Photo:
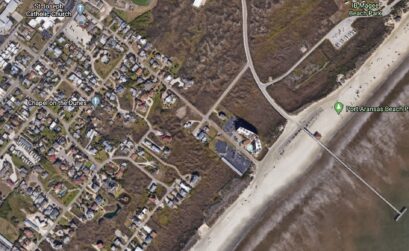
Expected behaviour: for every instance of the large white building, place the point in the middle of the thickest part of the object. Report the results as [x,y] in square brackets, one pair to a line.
[44,23]
[5,22]
[253,144]
[198,3]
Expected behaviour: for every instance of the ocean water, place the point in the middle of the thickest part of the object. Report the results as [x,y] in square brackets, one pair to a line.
[327,208]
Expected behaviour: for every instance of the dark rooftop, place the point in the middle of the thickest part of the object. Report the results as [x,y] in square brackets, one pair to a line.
[237,162]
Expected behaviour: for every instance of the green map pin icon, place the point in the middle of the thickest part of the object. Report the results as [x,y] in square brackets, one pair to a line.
[339,107]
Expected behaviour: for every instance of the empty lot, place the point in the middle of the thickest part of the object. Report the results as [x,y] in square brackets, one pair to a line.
[206,44]
[279,31]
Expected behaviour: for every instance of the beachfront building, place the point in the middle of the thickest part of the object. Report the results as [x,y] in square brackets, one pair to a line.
[232,158]
[250,140]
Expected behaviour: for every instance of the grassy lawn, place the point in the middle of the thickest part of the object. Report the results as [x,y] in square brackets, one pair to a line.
[37,41]
[163,216]
[143,200]
[293,15]
[101,156]
[92,10]
[2,78]
[17,161]
[88,164]
[5,189]
[124,15]
[76,210]
[66,88]
[63,221]
[141,23]
[54,177]
[174,69]
[52,172]
[103,70]
[50,134]
[114,27]
[160,191]
[141,2]
[157,102]
[49,167]
[13,207]
[8,230]
[139,128]
[24,53]
[25,6]
[69,197]
[126,100]
[54,108]
[68,115]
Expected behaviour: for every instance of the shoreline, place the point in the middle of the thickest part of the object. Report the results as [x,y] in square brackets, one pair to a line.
[339,143]
[277,171]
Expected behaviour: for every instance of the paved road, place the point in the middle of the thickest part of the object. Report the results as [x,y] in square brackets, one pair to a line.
[163,162]
[220,99]
[39,54]
[140,168]
[213,124]
[260,84]
[66,126]
[22,128]
[7,40]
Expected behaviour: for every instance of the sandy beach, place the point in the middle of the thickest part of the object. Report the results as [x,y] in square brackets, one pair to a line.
[287,161]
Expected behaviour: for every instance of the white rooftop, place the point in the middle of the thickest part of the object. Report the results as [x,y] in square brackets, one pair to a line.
[198,3]
[45,22]
[5,22]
